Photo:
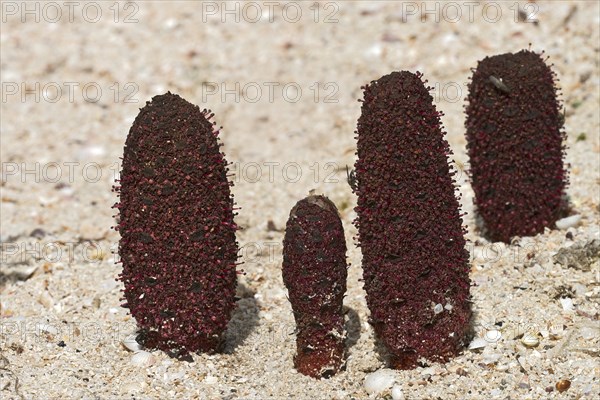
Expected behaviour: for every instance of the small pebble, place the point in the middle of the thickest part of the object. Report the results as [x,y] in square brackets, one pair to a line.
[38,233]
[524,385]
[502,367]
[96,302]
[568,222]
[271,226]
[438,309]
[379,381]
[563,385]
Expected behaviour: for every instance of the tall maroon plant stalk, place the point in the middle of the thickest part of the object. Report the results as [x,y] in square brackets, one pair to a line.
[415,266]
[178,244]
[515,142]
[314,272]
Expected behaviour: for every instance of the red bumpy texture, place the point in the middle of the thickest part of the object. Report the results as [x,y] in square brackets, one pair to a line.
[415,265]
[178,244]
[515,144]
[314,272]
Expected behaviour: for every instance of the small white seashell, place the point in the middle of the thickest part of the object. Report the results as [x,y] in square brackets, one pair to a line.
[478,343]
[131,344]
[589,332]
[397,393]
[568,222]
[438,308]
[567,303]
[530,340]
[493,335]
[448,307]
[143,359]
[379,381]
[211,380]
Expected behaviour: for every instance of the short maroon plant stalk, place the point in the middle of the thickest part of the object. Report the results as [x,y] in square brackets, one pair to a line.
[314,272]
[178,244]
[515,144]
[415,265]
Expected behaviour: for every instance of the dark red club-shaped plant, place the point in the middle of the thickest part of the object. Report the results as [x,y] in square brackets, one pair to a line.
[415,266]
[314,272]
[515,144]
[178,244]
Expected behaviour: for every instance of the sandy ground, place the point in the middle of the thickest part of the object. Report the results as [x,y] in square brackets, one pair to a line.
[284,86]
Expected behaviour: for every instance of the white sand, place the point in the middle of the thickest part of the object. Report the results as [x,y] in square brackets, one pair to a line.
[73,297]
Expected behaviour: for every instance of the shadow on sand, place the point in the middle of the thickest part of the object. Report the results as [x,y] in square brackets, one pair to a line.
[243,320]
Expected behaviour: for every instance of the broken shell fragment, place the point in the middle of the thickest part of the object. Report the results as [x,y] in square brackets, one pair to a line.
[131,344]
[530,340]
[478,343]
[568,222]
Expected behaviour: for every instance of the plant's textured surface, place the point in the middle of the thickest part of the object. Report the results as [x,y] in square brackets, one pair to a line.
[415,265]
[515,143]
[178,245]
[314,272]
